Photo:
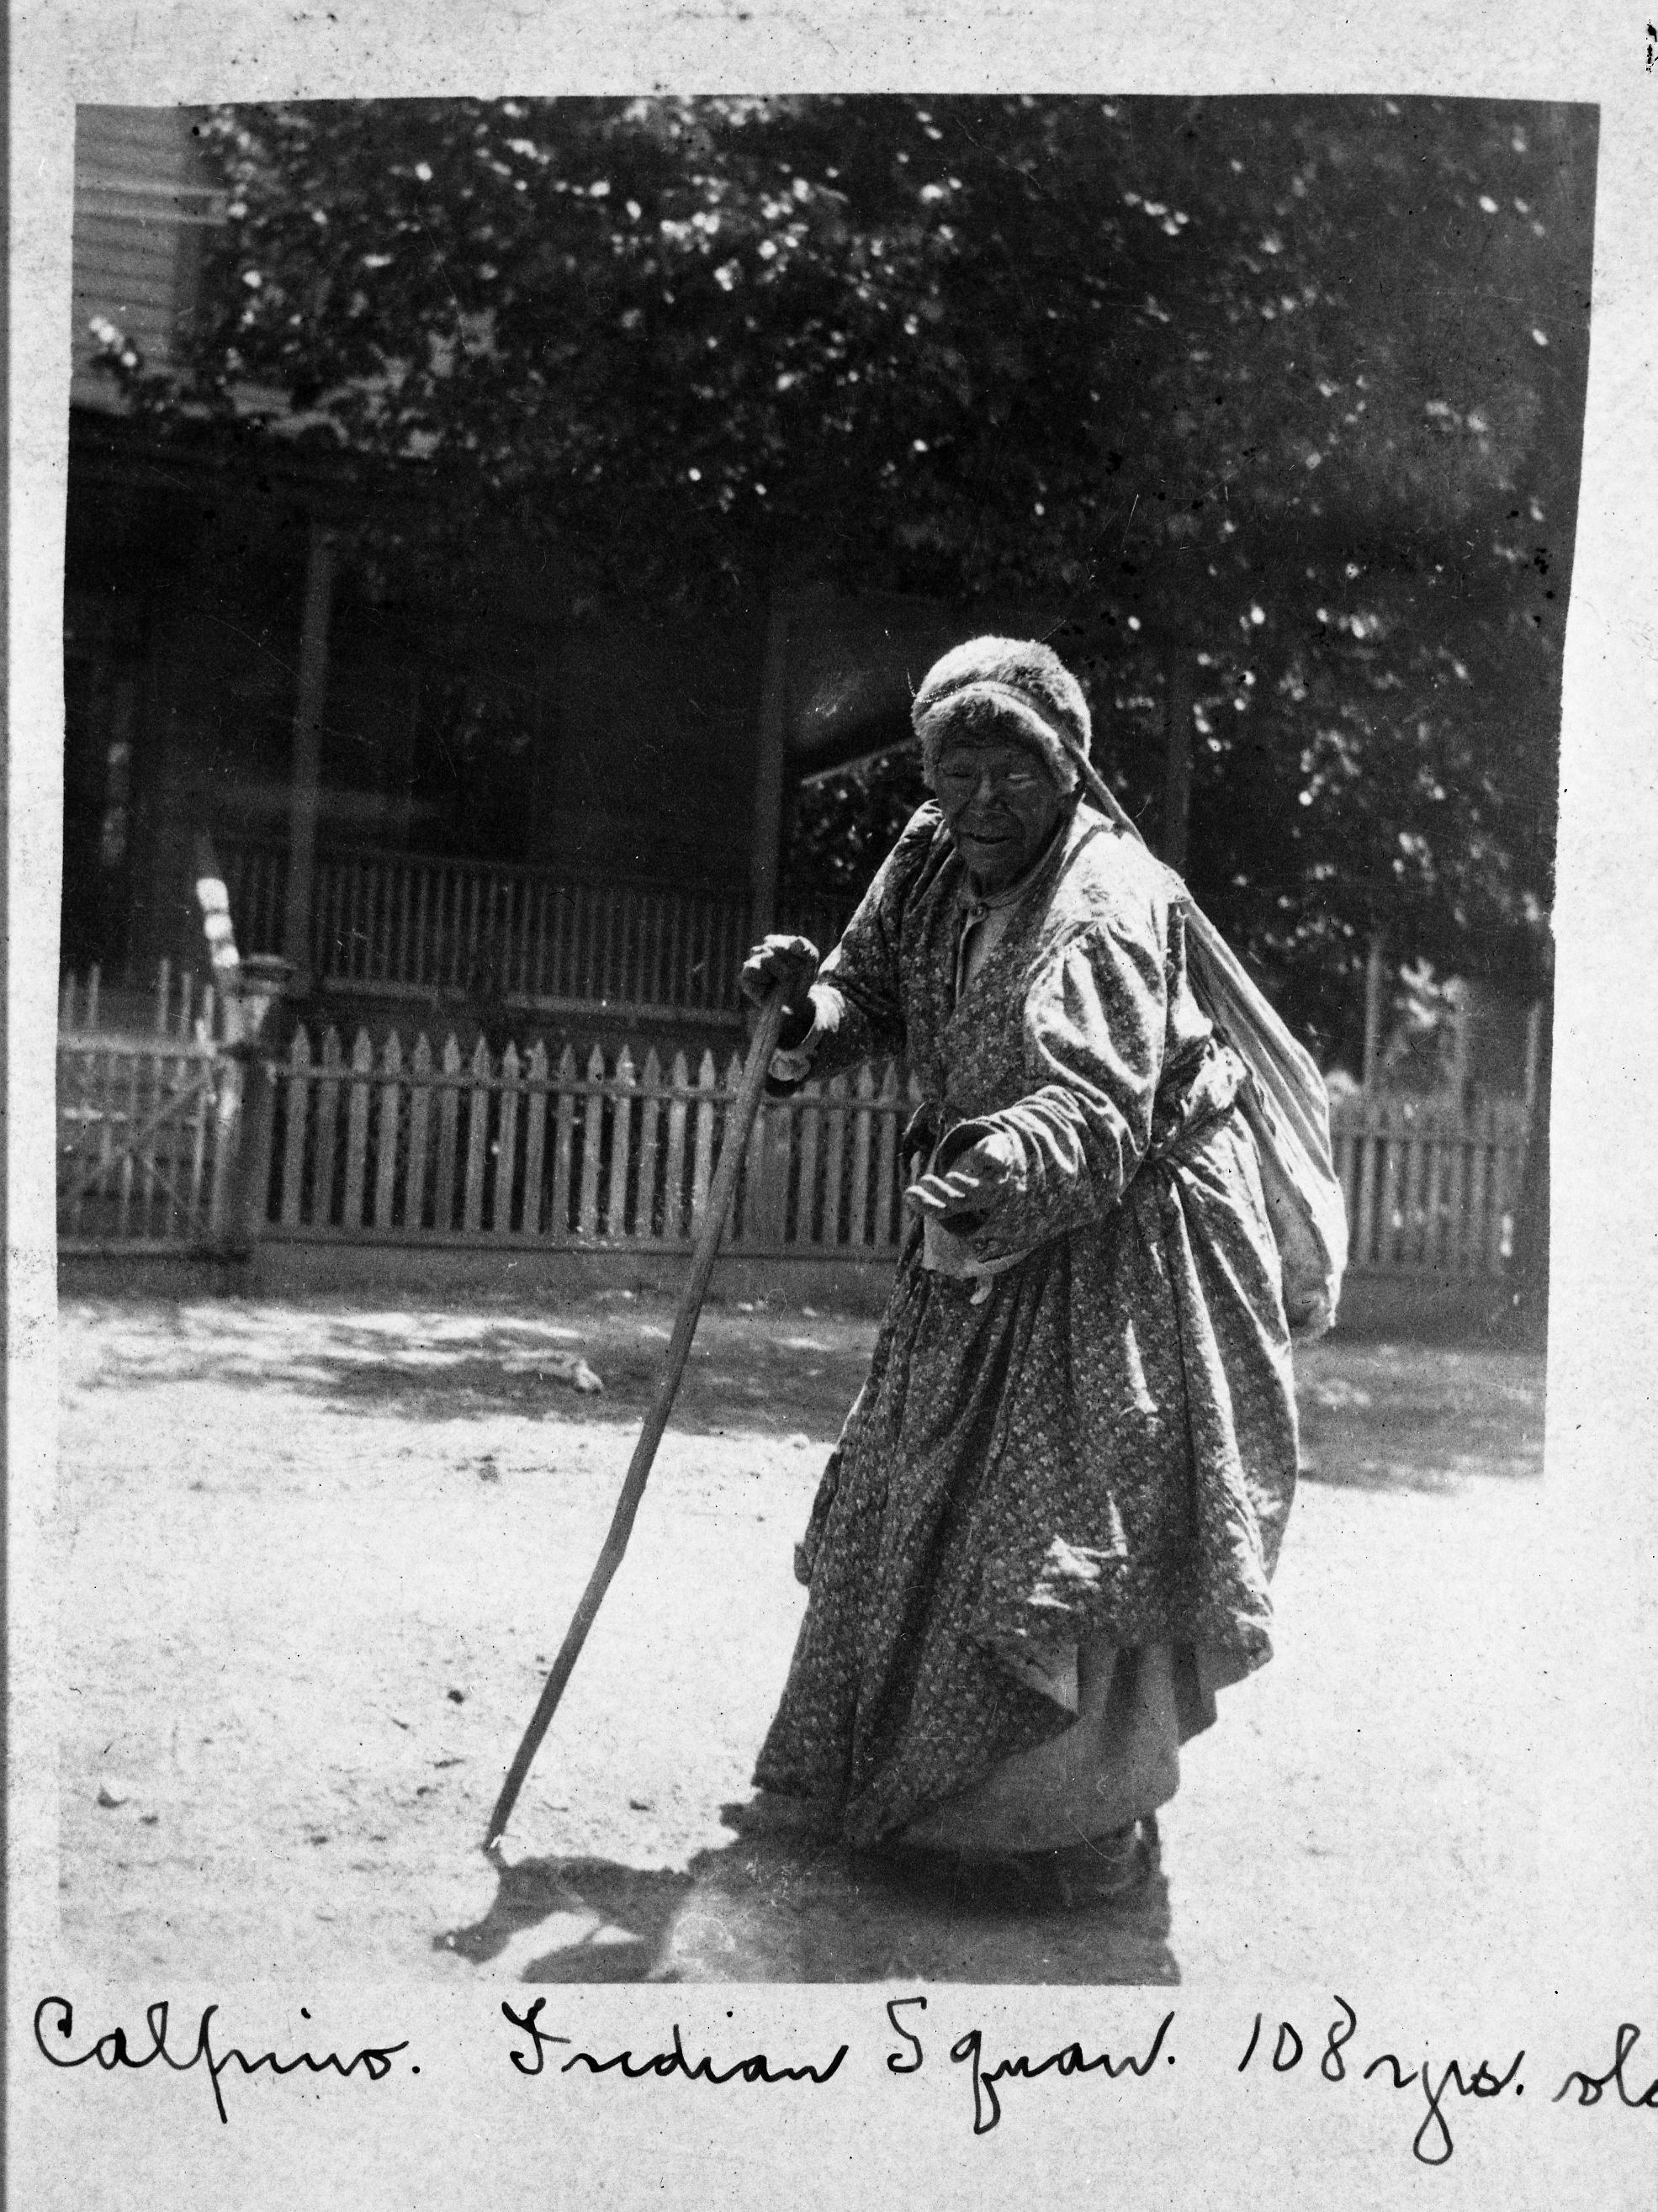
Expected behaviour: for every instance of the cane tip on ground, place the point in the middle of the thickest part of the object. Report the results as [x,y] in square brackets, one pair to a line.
[462,1895]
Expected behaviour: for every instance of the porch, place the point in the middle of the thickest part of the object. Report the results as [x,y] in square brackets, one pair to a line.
[426,781]
[406,929]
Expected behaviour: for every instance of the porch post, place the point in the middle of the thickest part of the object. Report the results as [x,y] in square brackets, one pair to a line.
[308,728]
[766,836]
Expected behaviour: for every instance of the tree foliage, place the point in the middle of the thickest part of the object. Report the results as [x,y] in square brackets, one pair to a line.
[1289,388]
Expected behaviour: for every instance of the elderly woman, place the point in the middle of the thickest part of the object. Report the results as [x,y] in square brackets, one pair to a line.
[1045,1538]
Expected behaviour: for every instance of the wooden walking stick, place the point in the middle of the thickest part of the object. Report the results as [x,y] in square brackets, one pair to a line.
[739,1122]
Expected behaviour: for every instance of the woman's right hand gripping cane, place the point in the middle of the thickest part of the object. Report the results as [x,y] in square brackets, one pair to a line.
[790,961]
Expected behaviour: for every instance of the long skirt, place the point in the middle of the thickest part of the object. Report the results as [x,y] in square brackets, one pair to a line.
[1046,1537]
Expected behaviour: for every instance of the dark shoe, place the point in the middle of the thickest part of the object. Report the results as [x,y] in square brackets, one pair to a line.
[1104,1869]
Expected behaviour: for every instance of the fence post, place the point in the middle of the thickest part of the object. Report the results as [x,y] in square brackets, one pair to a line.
[247,1108]
[766,1191]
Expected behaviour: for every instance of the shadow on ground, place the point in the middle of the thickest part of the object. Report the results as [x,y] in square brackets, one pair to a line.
[764,1370]
[782,1908]
[1418,1418]
[1374,1416]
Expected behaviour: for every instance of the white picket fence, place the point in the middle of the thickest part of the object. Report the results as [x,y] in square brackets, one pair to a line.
[602,1153]
[140,1158]
[607,1150]
[614,1150]
[1429,1184]
[144,1151]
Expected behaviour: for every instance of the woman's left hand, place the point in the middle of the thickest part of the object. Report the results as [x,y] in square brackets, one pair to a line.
[971,1187]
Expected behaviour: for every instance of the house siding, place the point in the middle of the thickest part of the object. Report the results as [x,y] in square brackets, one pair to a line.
[143,200]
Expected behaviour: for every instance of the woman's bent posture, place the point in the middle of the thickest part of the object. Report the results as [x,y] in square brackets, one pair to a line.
[1045,1538]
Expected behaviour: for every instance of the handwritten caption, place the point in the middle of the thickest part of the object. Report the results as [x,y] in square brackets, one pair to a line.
[1268,2049]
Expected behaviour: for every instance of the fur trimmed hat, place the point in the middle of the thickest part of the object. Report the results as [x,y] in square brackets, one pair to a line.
[1006,687]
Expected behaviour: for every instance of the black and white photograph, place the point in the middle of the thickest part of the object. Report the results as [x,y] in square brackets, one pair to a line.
[807,1059]
[1046,559]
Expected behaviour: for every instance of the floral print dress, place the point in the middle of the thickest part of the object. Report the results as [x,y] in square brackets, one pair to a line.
[1078,1434]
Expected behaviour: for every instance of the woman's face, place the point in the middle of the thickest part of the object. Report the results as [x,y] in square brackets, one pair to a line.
[999,803]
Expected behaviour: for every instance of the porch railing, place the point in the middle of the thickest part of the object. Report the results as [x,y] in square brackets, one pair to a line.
[407,926]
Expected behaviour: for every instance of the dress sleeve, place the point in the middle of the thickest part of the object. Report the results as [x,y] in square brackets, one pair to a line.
[1095,1021]
[858,997]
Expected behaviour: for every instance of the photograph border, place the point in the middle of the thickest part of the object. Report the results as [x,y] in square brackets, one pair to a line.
[472,2128]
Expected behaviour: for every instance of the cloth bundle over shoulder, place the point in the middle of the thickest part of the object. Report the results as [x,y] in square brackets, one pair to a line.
[1284,1103]
[1288,1110]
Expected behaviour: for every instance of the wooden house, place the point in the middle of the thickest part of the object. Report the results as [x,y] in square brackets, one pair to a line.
[436,781]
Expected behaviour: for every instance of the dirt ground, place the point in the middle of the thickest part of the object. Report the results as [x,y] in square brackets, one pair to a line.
[317,1557]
